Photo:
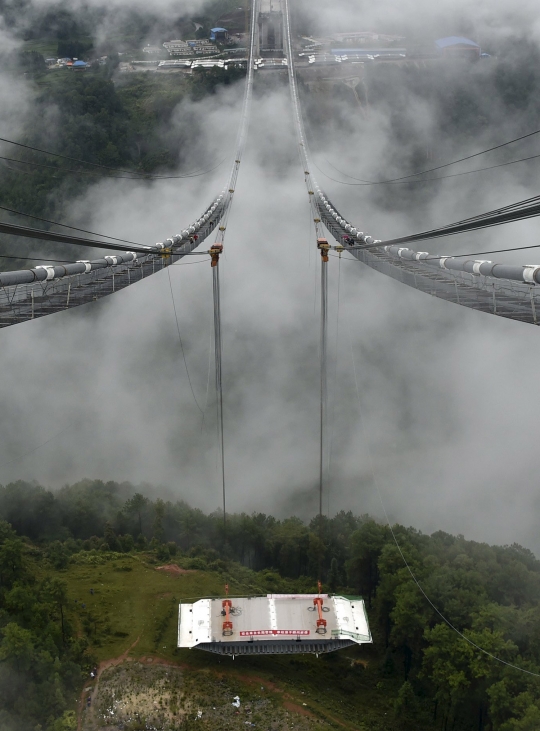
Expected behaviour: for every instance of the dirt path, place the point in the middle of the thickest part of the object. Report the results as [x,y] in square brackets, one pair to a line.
[101,667]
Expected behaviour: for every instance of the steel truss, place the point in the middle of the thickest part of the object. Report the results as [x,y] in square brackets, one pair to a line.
[30,293]
[467,285]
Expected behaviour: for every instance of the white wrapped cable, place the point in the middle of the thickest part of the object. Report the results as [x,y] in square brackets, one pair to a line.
[477,264]
[48,268]
[87,265]
[529,273]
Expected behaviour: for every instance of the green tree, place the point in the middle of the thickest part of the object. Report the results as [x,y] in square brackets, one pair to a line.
[110,537]
[17,646]
[68,722]
[12,564]
[157,527]
[406,708]
[333,575]
[366,545]
[55,591]
[58,555]
[136,507]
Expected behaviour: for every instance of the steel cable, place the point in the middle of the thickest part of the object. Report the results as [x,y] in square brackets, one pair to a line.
[416,182]
[324,382]
[142,176]
[65,225]
[181,343]
[219,381]
[36,233]
[375,480]
[333,420]
[446,165]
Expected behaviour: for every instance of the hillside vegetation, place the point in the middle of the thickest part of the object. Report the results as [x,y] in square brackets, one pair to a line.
[122,122]
[80,585]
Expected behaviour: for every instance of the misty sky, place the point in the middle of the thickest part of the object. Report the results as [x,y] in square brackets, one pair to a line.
[448,395]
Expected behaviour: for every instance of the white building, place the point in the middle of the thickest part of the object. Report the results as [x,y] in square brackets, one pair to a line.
[190,48]
[178,48]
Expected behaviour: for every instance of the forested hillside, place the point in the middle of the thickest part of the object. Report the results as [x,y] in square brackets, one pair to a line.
[437,680]
[124,122]
[89,117]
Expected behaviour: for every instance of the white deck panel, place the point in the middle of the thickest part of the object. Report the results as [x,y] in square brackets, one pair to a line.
[272,618]
[185,625]
[195,623]
[247,616]
[351,619]
[299,613]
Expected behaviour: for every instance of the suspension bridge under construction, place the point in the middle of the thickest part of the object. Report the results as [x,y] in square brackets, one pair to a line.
[296,623]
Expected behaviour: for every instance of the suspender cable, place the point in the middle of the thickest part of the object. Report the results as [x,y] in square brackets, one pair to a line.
[244,123]
[322,245]
[217,249]
[219,383]
[324,382]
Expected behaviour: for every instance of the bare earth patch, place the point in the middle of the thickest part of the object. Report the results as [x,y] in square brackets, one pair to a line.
[136,695]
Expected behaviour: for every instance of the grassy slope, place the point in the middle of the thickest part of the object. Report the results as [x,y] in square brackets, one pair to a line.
[140,606]
[47,47]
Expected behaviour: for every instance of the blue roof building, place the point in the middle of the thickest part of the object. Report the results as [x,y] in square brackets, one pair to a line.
[458,47]
[219,34]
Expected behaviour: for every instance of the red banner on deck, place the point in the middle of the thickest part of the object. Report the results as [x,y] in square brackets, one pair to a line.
[259,632]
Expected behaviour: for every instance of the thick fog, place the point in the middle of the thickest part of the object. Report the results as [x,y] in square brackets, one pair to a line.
[446,422]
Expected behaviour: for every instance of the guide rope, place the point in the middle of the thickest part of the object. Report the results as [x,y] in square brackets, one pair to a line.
[182,344]
[421,181]
[375,480]
[131,173]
